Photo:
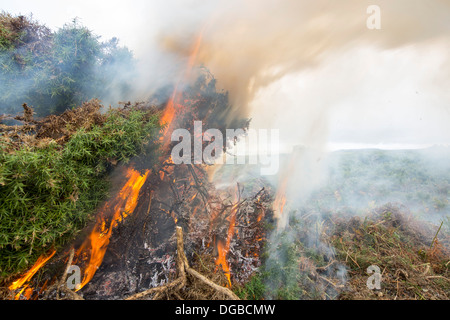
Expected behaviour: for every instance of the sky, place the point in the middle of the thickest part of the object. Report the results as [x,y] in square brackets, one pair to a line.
[310,69]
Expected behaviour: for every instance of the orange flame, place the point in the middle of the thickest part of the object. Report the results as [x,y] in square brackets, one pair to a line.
[28,293]
[223,249]
[279,203]
[280,197]
[174,101]
[41,261]
[222,260]
[98,240]
[122,205]
[262,213]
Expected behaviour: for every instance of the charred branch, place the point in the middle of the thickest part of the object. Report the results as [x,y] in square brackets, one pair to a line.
[180,281]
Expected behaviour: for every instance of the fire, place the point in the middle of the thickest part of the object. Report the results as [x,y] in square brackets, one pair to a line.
[280,197]
[97,242]
[126,202]
[41,261]
[262,212]
[223,249]
[279,203]
[94,247]
[222,260]
[260,216]
[174,101]
[169,111]
[122,206]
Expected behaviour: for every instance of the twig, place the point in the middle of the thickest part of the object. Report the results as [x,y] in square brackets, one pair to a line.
[323,278]
[63,278]
[73,295]
[177,296]
[149,202]
[180,282]
[327,266]
[60,286]
[205,280]
[438,277]
[199,185]
[434,239]
[153,290]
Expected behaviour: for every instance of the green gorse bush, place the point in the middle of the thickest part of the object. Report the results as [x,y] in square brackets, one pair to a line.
[47,193]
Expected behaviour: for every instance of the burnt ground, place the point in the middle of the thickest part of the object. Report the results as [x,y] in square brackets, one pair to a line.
[142,251]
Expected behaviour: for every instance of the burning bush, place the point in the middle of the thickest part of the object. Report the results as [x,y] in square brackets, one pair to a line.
[53,174]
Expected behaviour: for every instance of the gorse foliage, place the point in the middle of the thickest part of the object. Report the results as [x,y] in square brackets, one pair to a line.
[54,71]
[53,173]
[48,192]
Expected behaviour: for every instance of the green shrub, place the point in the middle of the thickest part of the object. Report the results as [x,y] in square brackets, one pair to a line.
[54,71]
[47,193]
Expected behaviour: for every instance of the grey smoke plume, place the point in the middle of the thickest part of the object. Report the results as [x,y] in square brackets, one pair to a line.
[250,44]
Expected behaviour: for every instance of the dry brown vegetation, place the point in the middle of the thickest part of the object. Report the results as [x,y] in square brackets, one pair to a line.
[58,128]
[414,260]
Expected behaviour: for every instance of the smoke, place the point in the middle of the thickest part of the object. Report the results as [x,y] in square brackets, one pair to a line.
[257,49]
[252,44]
[362,180]
[56,70]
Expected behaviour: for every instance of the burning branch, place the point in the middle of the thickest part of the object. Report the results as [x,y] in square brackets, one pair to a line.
[60,286]
[199,186]
[177,192]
